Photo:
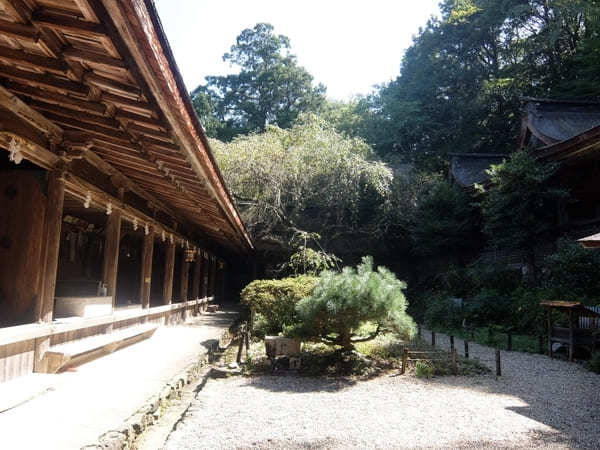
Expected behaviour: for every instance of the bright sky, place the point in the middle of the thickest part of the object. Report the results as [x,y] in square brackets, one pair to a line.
[348,45]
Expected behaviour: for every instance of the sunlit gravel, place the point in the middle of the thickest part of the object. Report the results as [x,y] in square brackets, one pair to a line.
[537,403]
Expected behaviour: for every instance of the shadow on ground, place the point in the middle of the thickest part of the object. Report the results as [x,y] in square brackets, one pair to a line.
[296,384]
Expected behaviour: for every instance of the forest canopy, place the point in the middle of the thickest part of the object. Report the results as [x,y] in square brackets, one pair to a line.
[369,175]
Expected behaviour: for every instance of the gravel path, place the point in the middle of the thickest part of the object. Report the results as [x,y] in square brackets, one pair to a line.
[537,403]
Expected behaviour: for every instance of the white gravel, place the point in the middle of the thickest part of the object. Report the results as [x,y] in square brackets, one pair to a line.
[537,403]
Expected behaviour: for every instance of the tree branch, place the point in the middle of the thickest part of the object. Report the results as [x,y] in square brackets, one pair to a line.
[368,338]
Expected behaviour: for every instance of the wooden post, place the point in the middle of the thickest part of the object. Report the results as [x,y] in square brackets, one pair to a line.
[498,367]
[247,339]
[169,273]
[146,279]
[404,361]
[213,278]
[205,267]
[509,343]
[549,318]
[241,345]
[571,336]
[197,276]
[433,338]
[185,275]
[454,364]
[111,253]
[51,237]
[451,343]
[467,349]
[419,330]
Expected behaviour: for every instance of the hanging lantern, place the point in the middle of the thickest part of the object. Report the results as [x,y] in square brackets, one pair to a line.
[190,255]
[146,230]
[163,236]
[109,209]
[88,200]
[135,224]
[171,239]
[15,152]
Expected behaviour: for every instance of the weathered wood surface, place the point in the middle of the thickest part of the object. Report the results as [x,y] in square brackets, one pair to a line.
[146,271]
[21,250]
[111,253]
[169,274]
[19,344]
[70,354]
[103,72]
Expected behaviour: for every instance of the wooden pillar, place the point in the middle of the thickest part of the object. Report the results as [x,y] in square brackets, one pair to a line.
[197,276]
[169,273]
[571,336]
[185,274]
[111,254]
[213,277]
[51,239]
[549,320]
[205,267]
[146,278]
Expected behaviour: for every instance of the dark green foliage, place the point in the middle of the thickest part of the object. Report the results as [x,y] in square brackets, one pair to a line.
[274,301]
[271,88]
[444,222]
[462,80]
[342,302]
[443,312]
[489,307]
[573,273]
[494,276]
[519,208]
[594,363]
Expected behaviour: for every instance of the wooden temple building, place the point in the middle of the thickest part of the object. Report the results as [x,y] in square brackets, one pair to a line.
[113,213]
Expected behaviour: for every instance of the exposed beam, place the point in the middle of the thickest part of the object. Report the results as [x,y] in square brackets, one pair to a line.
[36,61]
[124,102]
[45,80]
[128,115]
[18,9]
[19,31]
[59,99]
[64,23]
[73,114]
[13,103]
[74,54]
[110,84]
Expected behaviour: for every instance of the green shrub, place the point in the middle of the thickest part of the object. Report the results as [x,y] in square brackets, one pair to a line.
[500,278]
[342,302]
[528,315]
[423,370]
[489,307]
[273,302]
[594,363]
[572,272]
[443,312]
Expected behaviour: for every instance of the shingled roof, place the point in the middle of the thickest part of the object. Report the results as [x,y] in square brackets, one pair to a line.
[547,122]
[467,169]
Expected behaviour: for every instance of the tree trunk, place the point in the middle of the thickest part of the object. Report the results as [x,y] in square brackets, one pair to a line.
[345,340]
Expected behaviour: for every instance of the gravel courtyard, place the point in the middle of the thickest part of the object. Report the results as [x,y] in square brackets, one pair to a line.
[537,403]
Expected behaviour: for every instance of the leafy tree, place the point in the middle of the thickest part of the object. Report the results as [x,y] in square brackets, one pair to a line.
[520,206]
[306,260]
[341,302]
[270,88]
[311,179]
[272,302]
[462,80]
[445,222]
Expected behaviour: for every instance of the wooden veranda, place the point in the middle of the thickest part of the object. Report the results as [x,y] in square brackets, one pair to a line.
[108,189]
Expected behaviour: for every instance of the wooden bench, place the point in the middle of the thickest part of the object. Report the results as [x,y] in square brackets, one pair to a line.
[62,356]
